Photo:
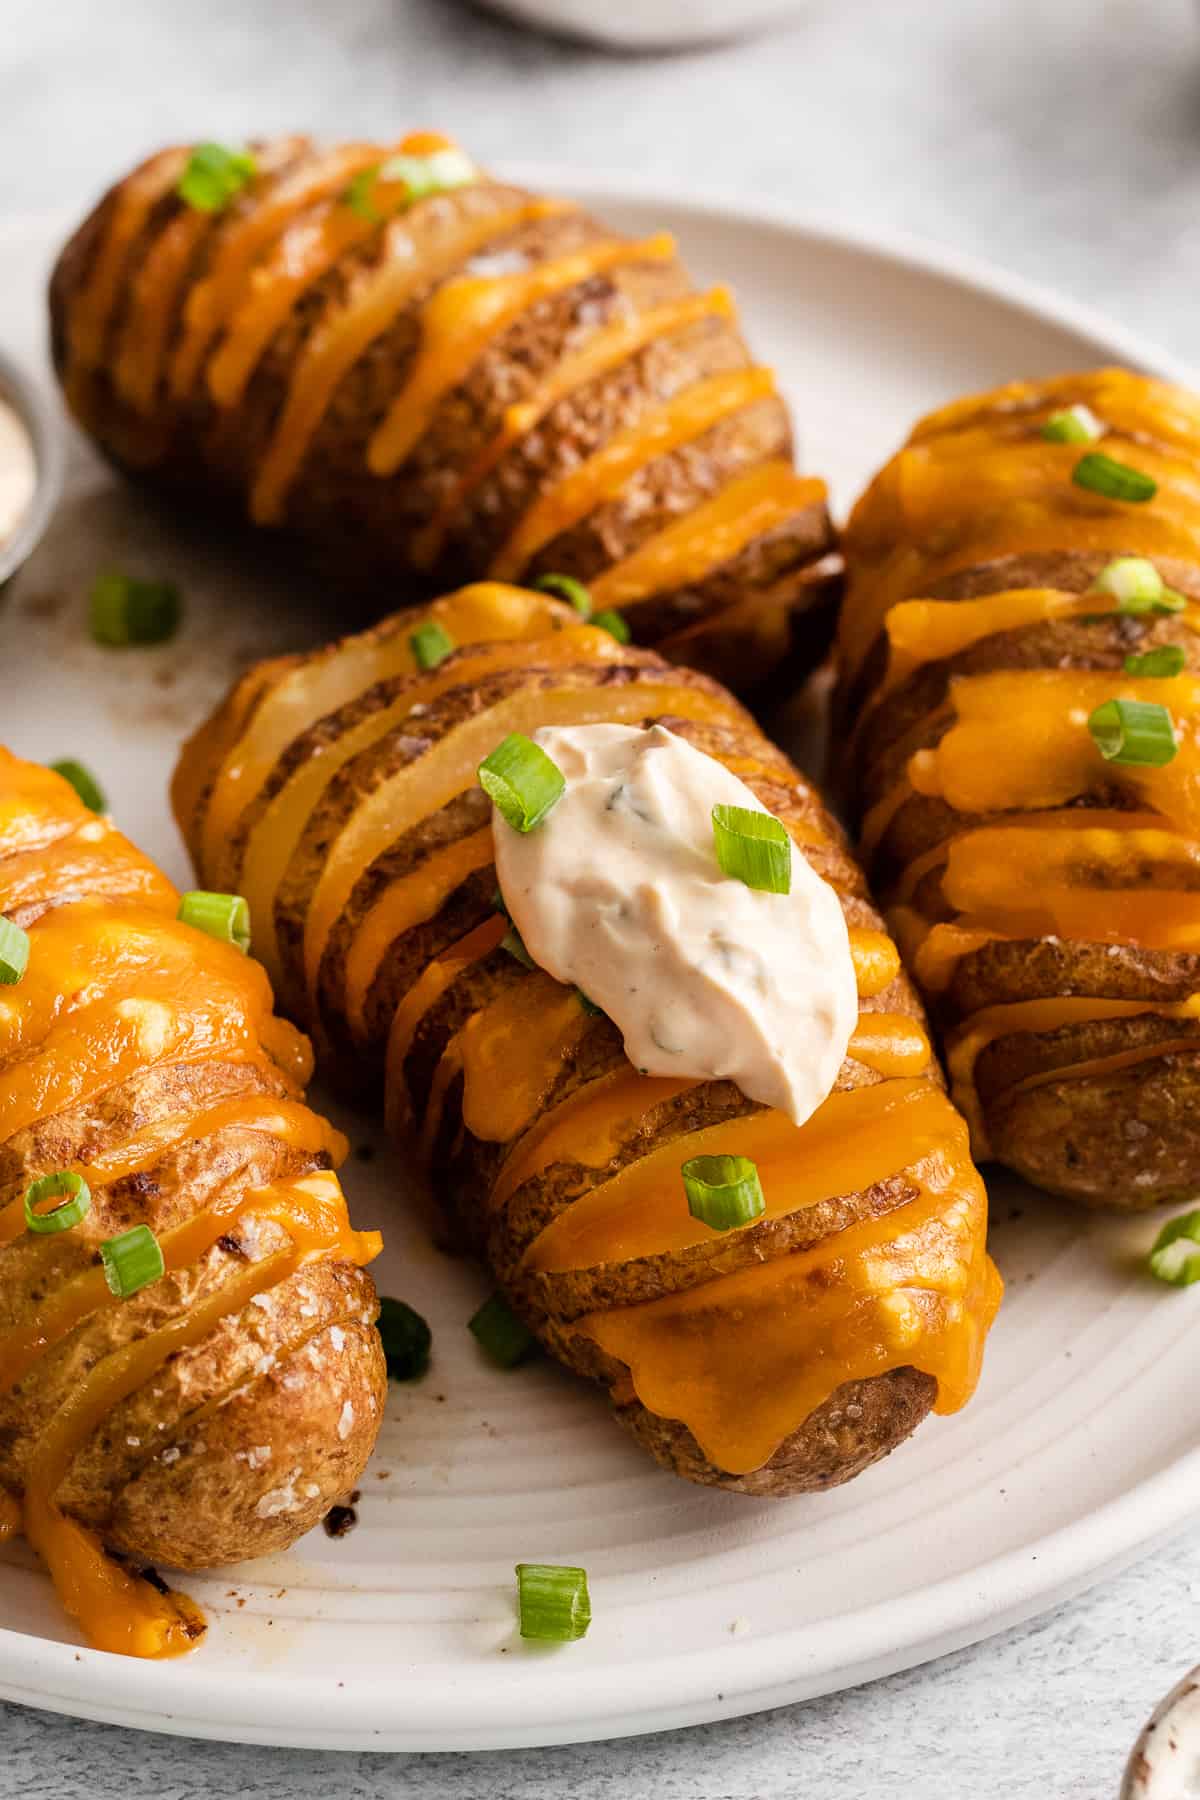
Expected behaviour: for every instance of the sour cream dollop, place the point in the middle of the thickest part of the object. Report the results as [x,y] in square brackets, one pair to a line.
[619,892]
[18,470]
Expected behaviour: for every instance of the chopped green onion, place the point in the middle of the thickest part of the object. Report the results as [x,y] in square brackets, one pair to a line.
[406,1340]
[1132,581]
[568,589]
[522,781]
[753,847]
[14,952]
[1074,425]
[84,783]
[501,1334]
[1135,732]
[132,1260]
[214,175]
[514,943]
[1165,659]
[553,1601]
[614,623]
[436,173]
[72,1197]
[1176,1253]
[421,176]
[224,916]
[125,611]
[723,1191]
[1115,480]
[430,644]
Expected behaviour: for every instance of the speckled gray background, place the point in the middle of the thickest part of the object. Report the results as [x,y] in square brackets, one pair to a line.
[1059,137]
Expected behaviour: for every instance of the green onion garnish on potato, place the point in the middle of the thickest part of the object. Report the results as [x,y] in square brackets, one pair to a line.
[123,611]
[84,782]
[1163,660]
[14,952]
[132,1261]
[214,176]
[1102,474]
[501,1335]
[1134,583]
[1138,733]
[1073,425]
[430,644]
[56,1202]
[406,1339]
[753,847]
[723,1191]
[224,916]
[553,1601]
[1175,1257]
[567,588]
[521,781]
[614,623]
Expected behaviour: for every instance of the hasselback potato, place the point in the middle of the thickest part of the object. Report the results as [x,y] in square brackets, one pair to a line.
[211,1399]
[434,376]
[338,792]
[1019,700]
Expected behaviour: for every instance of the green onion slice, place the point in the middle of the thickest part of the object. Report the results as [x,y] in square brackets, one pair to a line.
[359,195]
[553,1601]
[14,952]
[614,623]
[214,175]
[520,779]
[1135,732]
[124,611]
[430,644]
[406,1340]
[568,589]
[132,1261]
[1176,1253]
[436,173]
[1133,582]
[1115,480]
[224,916]
[501,1334]
[1073,425]
[84,783]
[71,1197]
[1164,659]
[514,944]
[723,1191]
[753,847]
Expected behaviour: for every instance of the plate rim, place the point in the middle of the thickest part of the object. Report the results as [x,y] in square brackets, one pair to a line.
[706,1685]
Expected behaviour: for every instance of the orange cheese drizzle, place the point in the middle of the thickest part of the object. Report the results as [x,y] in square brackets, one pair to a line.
[680,420]
[116,1611]
[137,364]
[331,678]
[463,317]
[710,535]
[307,248]
[605,350]
[211,300]
[350,326]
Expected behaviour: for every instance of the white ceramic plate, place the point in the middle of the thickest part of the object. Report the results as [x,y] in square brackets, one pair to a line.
[1080,1448]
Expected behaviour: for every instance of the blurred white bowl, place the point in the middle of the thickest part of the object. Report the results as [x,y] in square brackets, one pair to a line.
[651,24]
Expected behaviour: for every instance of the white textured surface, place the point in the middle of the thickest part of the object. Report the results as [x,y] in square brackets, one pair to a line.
[1061,140]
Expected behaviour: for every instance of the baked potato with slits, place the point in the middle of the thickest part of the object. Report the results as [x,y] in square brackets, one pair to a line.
[214,1411]
[1031,557]
[338,793]
[433,376]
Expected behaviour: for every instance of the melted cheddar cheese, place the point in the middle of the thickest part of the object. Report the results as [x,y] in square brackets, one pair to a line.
[1009,750]
[116,986]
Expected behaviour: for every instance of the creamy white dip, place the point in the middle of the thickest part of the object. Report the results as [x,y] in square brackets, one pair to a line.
[18,470]
[619,892]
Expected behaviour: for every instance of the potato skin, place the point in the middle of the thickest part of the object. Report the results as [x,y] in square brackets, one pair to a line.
[243,1439]
[763,614]
[1124,1138]
[863,1420]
